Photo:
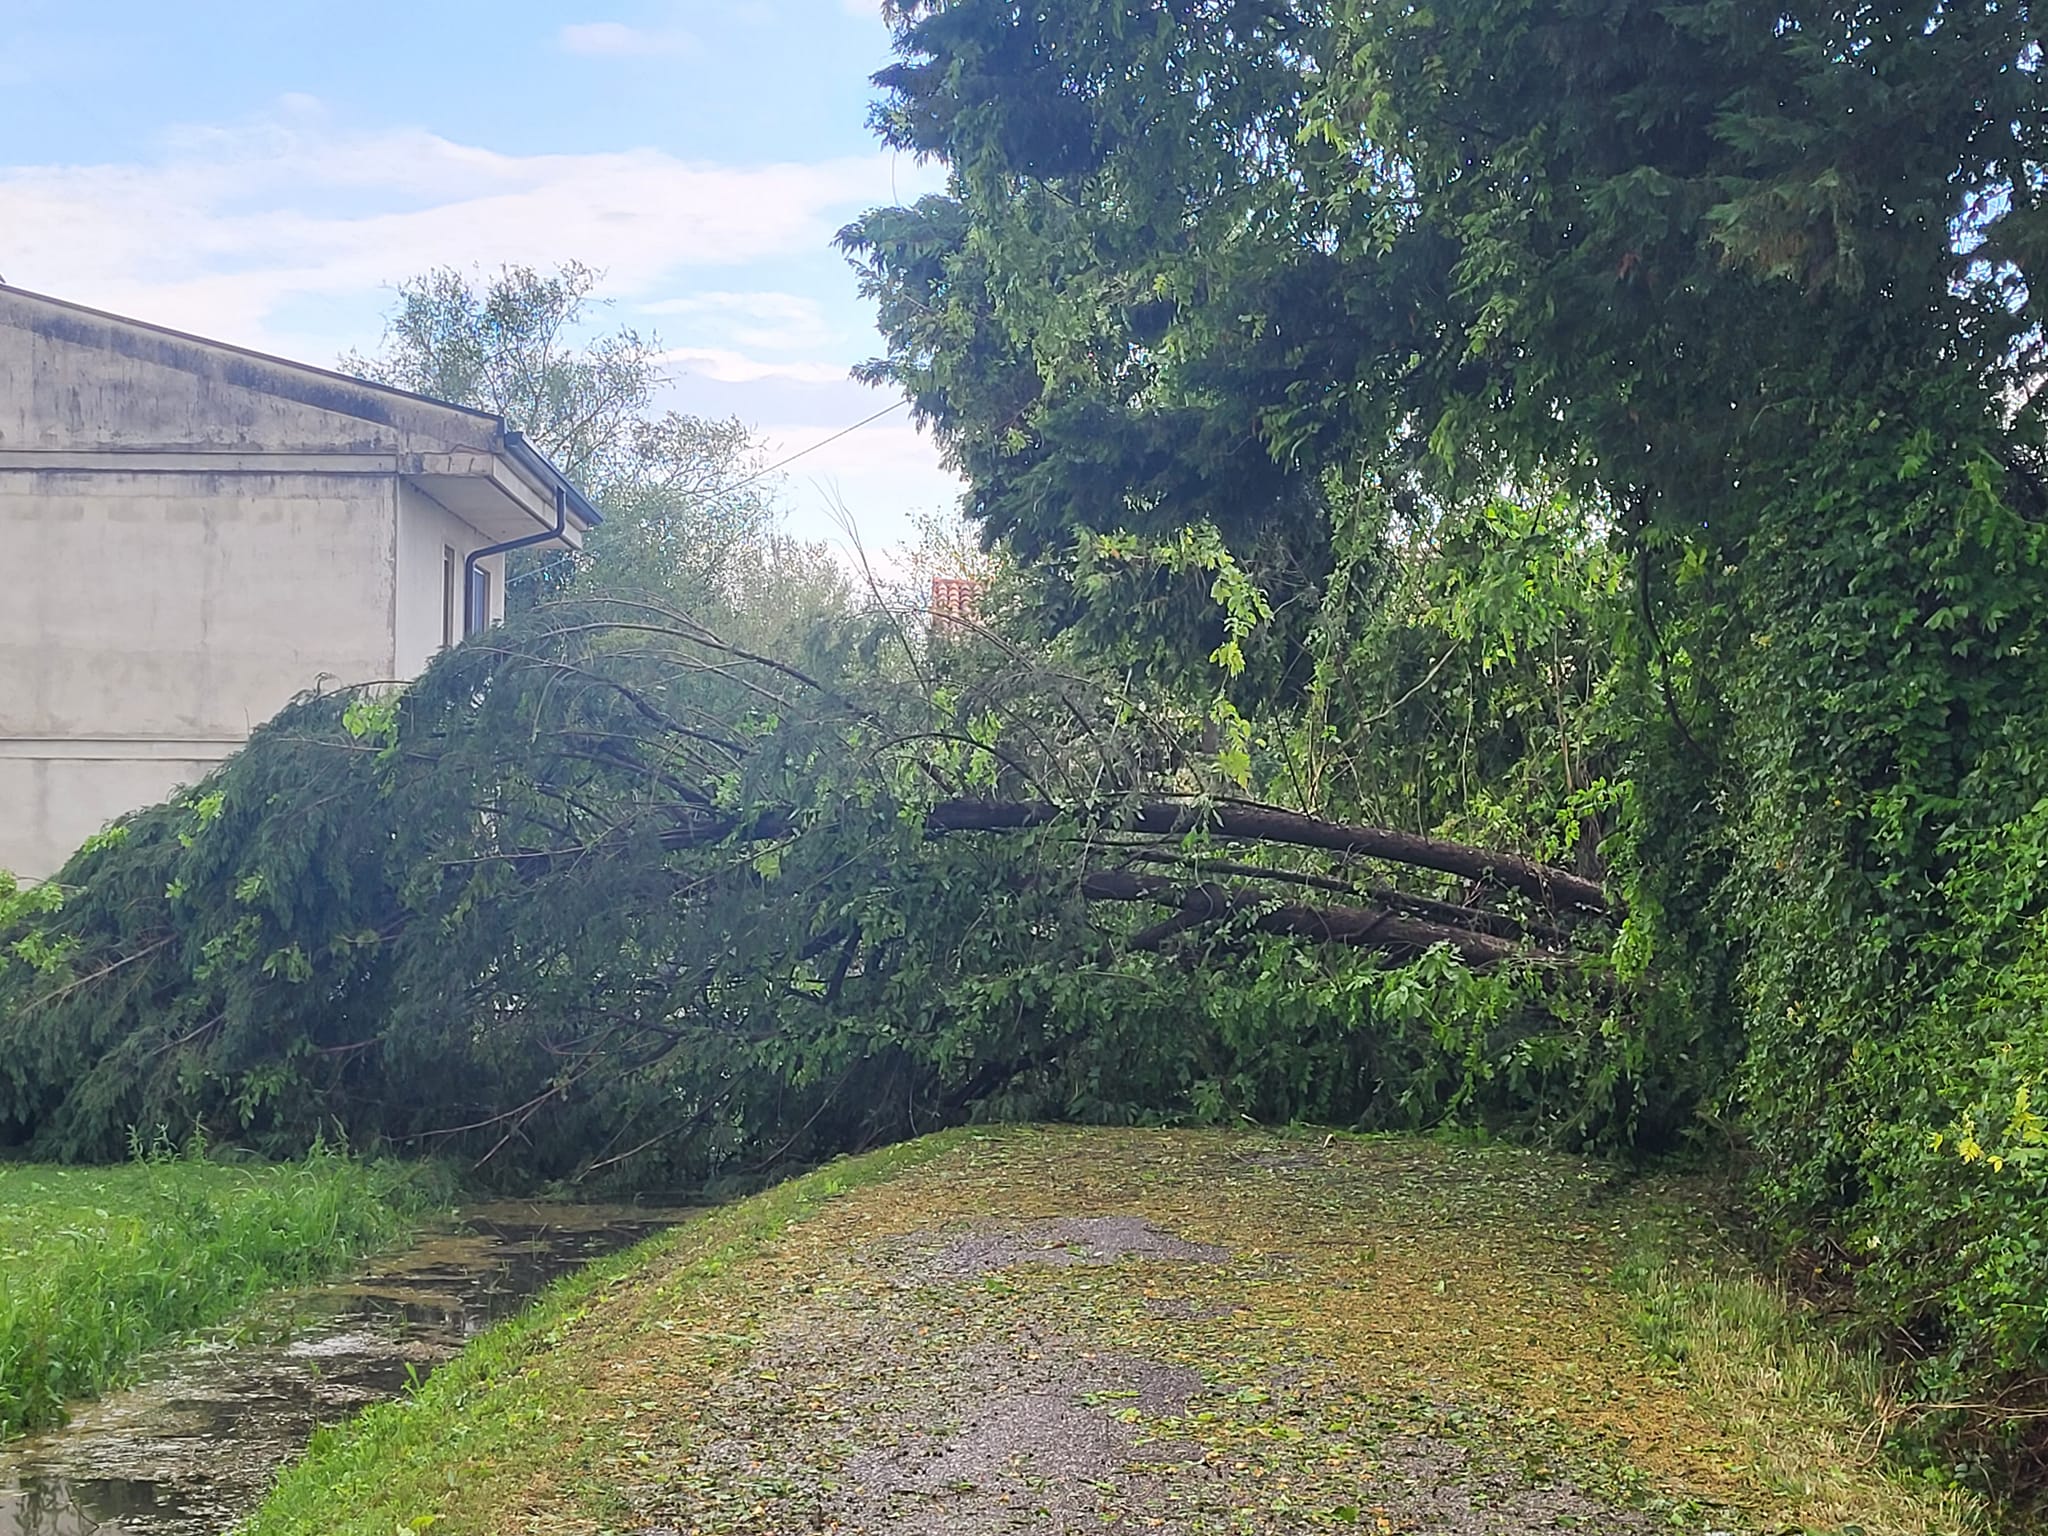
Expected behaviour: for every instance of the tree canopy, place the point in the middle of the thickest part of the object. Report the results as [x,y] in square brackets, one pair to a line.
[616,877]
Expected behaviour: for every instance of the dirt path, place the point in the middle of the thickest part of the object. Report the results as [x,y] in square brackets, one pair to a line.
[1051,1331]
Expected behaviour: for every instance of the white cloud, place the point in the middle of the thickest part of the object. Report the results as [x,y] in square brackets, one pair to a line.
[614,39]
[283,234]
[726,367]
[231,223]
[780,322]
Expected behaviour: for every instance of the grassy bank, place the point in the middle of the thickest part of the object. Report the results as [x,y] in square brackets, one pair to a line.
[99,1264]
[1067,1329]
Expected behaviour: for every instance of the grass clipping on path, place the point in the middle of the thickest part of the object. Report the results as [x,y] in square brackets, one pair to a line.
[1047,1330]
[98,1265]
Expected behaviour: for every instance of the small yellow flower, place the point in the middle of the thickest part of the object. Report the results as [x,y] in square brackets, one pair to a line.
[1967,1148]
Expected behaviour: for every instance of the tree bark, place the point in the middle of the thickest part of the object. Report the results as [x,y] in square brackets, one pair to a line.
[1376,926]
[1544,883]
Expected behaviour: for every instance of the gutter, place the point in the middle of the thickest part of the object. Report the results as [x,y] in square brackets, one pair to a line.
[566,497]
[536,461]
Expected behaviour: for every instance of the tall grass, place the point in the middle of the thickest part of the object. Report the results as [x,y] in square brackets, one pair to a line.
[1806,1412]
[99,1264]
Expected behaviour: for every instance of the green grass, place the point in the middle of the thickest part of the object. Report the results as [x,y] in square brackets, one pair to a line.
[1810,1414]
[97,1265]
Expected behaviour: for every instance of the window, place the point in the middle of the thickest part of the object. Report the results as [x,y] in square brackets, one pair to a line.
[476,612]
[449,565]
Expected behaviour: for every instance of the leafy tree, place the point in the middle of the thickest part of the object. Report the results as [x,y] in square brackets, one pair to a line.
[517,347]
[1060,316]
[687,510]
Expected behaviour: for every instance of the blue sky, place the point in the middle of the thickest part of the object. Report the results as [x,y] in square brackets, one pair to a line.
[264,172]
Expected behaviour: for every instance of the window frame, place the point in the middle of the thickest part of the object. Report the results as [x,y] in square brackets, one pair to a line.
[450,583]
[476,604]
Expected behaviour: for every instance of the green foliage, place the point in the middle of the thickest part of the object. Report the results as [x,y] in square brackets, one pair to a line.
[1757,290]
[1063,313]
[615,897]
[515,345]
[97,1266]
[1241,608]
[21,908]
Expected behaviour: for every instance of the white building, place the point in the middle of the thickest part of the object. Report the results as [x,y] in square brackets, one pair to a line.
[191,534]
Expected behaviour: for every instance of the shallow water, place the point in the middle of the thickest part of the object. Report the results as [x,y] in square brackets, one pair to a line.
[193,1449]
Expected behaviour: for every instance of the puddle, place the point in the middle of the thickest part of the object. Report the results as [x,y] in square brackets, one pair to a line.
[193,1449]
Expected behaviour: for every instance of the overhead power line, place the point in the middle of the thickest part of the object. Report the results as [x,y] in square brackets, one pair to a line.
[822,442]
[740,485]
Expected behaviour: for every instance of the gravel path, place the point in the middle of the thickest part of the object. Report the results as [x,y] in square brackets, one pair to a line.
[1252,1344]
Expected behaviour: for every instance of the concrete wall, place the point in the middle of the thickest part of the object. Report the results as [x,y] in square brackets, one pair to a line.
[191,534]
[73,379]
[426,531]
[152,619]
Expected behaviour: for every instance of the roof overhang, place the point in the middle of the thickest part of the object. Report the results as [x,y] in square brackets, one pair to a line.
[504,495]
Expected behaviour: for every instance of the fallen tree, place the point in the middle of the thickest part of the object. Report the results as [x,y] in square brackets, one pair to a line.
[1196,906]
[1405,921]
[1275,827]
[611,895]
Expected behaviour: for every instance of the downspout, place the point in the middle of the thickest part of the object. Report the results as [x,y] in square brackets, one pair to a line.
[470,562]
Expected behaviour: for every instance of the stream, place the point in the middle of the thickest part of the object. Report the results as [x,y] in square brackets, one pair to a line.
[193,1448]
